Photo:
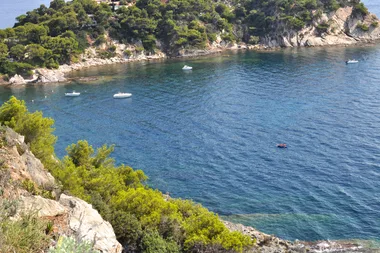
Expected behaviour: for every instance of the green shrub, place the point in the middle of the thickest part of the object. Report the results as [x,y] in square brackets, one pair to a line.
[152,242]
[36,128]
[128,53]
[139,49]
[69,244]
[363,27]
[112,48]
[105,54]
[375,24]
[100,40]
[361,9]
[254,40]
[323,27]
[24,235]
[211,37]
[30,186]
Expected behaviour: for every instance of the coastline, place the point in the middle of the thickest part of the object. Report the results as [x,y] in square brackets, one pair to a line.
[271,244]
[44,75]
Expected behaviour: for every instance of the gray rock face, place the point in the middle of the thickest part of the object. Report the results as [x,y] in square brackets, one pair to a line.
[87,224]
[36,171]
[17,79]
[50,76]
[343,29]
[43,207]
[76,217]
[24,164]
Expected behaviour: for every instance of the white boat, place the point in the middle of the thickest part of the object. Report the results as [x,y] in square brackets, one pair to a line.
[352,61]
[72,94]
[187,67]
[122,95]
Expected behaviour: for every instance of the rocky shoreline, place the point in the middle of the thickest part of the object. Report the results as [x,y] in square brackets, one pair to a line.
[271,244]
[90,59]
[44,75]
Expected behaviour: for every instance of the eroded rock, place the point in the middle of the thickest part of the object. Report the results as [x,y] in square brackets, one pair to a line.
[87,224]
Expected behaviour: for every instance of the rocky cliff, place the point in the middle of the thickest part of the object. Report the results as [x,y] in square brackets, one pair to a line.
[24,179]
[344,26]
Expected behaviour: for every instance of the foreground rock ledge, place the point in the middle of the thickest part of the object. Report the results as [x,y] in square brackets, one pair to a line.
[71,216]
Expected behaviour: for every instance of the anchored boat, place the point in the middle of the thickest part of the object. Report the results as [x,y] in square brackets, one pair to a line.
[352,61]
[122,95]
[72,94]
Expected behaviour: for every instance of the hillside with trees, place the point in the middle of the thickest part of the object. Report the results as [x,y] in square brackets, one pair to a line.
[50,36]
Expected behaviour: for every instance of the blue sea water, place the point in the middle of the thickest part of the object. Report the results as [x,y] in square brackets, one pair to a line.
[210,134]
[10,9]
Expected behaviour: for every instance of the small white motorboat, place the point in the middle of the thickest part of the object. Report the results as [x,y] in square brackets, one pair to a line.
[187,67]
[352,61]
[122,95]
[72,94]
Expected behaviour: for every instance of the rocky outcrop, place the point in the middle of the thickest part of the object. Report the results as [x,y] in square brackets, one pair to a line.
[22,176]
[50,76]
[43,207]
[271,244]
[342,27]
[87,224]
[17,79]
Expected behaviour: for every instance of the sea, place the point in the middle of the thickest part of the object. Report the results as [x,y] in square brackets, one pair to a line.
[210,134]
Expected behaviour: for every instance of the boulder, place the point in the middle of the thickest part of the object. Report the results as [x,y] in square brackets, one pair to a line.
[36,170]
[50,76]
[17,79]
[87,224]
[43,207]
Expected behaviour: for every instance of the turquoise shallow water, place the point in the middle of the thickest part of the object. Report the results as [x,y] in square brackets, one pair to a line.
[210,134]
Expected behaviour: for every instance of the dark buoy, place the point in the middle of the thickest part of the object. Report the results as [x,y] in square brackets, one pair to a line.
[281,145]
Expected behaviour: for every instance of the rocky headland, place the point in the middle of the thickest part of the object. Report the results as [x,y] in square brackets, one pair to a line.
[343,27]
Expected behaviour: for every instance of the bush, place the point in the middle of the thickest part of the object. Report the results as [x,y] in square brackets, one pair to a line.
[36,129]
[361,9]
[375,24]
[112,48]
[228,37]
[323,27]
[69,244]
[24,235]
[128,53]
[253,40]
[100,40]
[363,27]
[139,49]
[152,242]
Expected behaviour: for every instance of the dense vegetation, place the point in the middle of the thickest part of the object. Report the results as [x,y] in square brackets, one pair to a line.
[144,219]
[47,37]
